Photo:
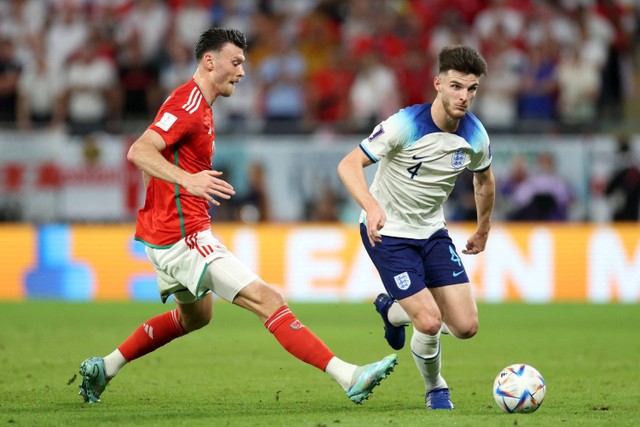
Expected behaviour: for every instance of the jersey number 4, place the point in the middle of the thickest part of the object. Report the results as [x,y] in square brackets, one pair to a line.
[413,170]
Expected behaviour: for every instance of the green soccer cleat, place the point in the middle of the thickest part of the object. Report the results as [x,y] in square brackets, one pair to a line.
[94,380]
[367,377]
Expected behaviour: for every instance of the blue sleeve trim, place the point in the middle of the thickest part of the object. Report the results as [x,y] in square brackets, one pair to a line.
[369,155]
[482,170]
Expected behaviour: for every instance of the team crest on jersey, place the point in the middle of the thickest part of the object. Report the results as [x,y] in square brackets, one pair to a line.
[457,159]
[379,130]
[166,121]
[403,281]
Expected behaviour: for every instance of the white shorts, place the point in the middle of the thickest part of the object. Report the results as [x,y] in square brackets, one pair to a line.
[197,265]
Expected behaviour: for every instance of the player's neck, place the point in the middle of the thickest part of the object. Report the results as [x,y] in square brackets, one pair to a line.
[441,119]
[206,90]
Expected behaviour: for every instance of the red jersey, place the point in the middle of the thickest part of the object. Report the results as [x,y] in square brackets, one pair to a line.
[170,213]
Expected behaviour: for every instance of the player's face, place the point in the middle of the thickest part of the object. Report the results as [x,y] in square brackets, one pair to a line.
[456,91]
[228,69]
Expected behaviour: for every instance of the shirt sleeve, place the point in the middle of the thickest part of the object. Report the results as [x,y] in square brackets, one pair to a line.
[387,136]
[172,122]
[481,156]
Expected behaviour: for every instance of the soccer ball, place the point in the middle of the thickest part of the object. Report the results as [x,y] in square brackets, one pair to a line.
[519,388]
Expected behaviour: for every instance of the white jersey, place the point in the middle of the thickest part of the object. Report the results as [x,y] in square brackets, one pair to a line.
[418,167]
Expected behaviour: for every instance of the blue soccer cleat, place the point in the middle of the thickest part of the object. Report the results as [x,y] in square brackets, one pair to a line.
[94,380]
[438,399]
[395,335]
[367,377]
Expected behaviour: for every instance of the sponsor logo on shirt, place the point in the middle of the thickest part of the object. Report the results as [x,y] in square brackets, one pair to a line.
[166,121]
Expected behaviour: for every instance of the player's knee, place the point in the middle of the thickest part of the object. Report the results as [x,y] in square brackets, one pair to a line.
[195,322]
[273,300]
[428,324]
[467,330]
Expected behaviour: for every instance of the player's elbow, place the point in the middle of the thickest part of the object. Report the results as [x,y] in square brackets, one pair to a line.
[343,169]
[133,154]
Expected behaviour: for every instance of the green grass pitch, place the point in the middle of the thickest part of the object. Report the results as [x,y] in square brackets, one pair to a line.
[233,373]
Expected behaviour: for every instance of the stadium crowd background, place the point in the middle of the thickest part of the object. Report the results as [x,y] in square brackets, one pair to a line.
[330,67]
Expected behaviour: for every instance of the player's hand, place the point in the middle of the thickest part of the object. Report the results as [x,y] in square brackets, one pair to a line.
[207,185]
[476,243]
[376,218]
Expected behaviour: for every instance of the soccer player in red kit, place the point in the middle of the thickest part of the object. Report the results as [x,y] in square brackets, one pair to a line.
[174,155]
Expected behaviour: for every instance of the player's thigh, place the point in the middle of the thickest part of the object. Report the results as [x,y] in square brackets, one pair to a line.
[226,277]
[458,307]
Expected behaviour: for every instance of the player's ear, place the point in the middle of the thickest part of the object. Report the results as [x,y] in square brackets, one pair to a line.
[436,83]
[208,61]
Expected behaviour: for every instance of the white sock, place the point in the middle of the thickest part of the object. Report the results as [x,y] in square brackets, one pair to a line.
[444,329]
[113,363]
[397,316]
[341,371]
[426,353]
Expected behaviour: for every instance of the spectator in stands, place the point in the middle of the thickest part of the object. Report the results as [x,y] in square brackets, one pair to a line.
[90,87]
[141,36]
[375,93]
[39,91]
[188,21]
[318,38]
[499,13]
[9,76]
[447,32]
[498,105]
[617,69]
[66,33]
[146,24]
[140,90]
[178,67]
[327,94]
[253,206]
[241,113]
[544,195]
[357,22]
[547,18]
[23,21]
[578,89]
[538,85]
[508,184]
[281,87]
[326,206]
[412,71]
[235,14]
[623,189]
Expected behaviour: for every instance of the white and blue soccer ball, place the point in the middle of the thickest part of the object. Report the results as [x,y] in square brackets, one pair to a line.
[519,388]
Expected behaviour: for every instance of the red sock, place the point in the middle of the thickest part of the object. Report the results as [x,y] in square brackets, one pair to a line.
[152,334]
[297,339]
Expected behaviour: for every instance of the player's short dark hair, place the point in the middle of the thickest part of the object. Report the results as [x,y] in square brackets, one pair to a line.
[463,59]
[215,38]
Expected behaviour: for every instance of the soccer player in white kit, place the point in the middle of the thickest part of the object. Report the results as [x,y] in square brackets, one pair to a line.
[420,151]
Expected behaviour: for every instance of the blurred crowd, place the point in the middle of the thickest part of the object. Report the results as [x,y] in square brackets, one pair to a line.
[316,65]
